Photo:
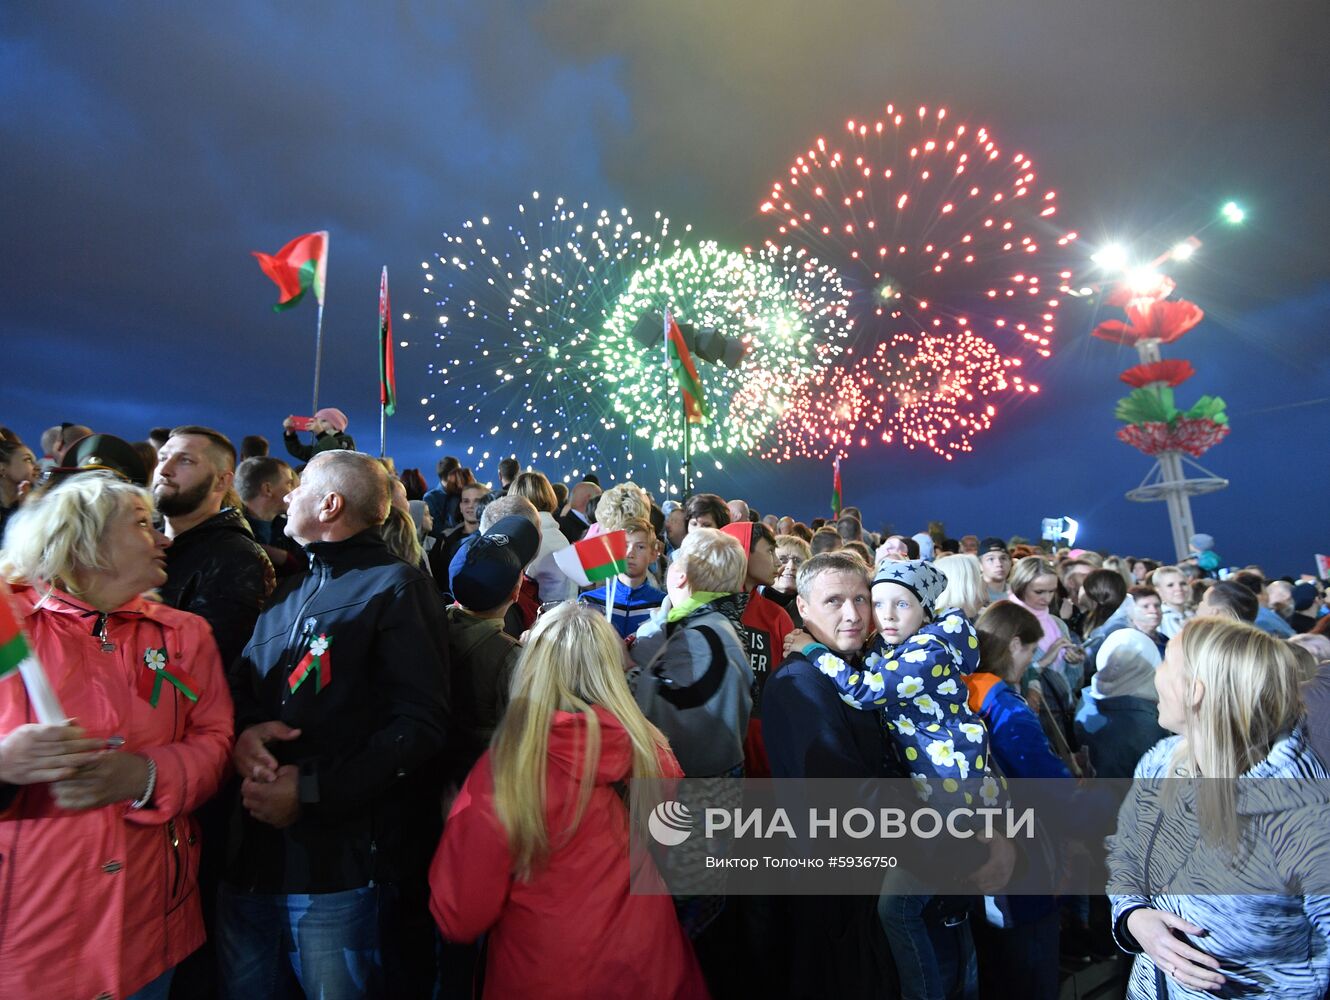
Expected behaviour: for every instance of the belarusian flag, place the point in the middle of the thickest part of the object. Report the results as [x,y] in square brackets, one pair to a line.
[16,657]
[387,377]
[13,647]
[835,486]
[297,267]
[681,363]
[595,559]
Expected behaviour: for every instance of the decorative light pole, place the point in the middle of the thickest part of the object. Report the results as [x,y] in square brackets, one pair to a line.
[1153,423]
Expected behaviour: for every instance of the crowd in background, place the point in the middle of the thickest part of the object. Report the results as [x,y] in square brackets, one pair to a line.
[339,729]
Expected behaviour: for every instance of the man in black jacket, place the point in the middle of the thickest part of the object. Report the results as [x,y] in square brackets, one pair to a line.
[214,567]
[838,948]
[341,702]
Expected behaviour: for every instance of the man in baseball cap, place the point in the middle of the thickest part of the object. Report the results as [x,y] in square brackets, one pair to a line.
[995,561]
[484,576]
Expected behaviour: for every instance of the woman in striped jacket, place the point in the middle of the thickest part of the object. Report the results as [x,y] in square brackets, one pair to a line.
[1219,876]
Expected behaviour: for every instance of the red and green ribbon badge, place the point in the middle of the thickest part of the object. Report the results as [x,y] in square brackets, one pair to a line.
[156,674]
[316,662]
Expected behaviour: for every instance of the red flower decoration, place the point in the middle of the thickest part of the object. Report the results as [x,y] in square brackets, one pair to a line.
[1195,437]
[1174,371]
[1161,321]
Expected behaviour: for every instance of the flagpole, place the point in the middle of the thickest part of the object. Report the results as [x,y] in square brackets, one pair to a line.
[687,456]
[318,359]
[383,430]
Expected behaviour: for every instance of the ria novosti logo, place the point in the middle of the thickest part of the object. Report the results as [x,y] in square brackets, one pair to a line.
[670,823]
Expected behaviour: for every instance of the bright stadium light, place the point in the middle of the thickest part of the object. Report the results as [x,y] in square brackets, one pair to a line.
[1185,249]
[1111,258]
[1233,213]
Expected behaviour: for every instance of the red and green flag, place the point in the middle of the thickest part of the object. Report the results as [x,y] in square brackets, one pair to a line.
[387,376]
[835,486]
[296,268]
[594,560]
[685,373]
[13,647]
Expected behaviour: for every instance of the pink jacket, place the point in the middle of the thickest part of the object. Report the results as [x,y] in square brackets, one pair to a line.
[101,902]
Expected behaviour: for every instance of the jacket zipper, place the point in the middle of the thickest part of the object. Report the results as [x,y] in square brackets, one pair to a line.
[292,650]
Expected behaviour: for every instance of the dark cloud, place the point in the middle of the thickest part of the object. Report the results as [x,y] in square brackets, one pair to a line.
[145,150]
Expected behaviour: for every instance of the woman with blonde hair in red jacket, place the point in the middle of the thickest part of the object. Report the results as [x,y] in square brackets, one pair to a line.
[98,884]
[535,853]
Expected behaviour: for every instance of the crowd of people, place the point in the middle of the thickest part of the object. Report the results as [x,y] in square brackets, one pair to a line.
[333,731]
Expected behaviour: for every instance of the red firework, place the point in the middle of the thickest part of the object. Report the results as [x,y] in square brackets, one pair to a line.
[956,265]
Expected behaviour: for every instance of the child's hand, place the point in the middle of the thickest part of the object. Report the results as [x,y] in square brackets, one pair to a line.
[796,641]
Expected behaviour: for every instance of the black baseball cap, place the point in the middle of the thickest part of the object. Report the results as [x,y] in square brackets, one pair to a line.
[992,545]
[487,566]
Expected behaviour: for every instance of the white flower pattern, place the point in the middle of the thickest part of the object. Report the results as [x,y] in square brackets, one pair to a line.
[909,687]
[919,683]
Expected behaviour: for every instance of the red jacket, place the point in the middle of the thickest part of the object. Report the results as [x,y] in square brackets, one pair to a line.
[574,929]
[103,901]
[765,624]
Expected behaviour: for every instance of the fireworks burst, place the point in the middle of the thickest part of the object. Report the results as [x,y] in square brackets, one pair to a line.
[787,311]
[520,309]
[957,267]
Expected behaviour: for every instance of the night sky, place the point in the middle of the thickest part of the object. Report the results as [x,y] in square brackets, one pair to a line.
[146,149]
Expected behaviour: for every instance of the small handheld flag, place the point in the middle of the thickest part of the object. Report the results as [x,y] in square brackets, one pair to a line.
[299,266]
[387,376]
[593,560]
[835,486]
[685,373]
[16,656]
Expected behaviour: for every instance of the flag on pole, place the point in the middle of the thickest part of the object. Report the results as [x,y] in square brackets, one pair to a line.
[296,268]
[835,486]
[387,376]
[681,363]
[595,559]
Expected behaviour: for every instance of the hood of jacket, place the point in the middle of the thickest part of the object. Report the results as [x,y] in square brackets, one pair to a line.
[731,606]
[568,739]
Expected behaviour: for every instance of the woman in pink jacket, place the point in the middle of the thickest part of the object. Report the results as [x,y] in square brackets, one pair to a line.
[98,856]
[535,853]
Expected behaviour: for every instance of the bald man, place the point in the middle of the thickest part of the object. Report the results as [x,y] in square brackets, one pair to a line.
[341,706]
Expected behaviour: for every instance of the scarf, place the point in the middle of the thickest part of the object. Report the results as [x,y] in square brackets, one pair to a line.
[691,603]
[1052,633]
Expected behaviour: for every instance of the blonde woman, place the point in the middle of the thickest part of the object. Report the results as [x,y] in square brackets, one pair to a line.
[99,894]
[965,584]
[618,505]
[1229,842]
[535,851]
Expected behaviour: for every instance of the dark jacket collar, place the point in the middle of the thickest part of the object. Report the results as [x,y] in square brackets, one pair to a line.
[226,519]
[357,548]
